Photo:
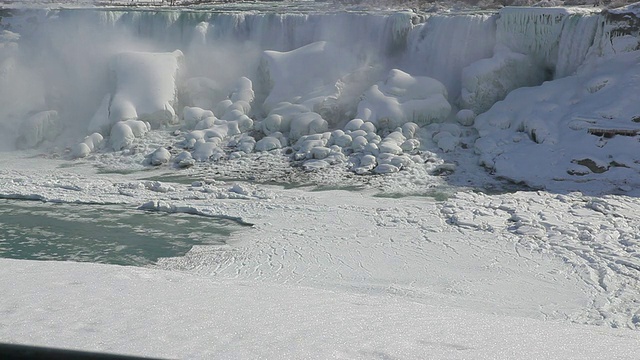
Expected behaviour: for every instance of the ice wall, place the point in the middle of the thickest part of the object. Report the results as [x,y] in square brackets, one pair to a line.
[273,31]
[442,46]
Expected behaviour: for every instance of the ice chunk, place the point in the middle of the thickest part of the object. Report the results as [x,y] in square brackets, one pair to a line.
[307,124]
[466,117]
[184,159]
[193,115]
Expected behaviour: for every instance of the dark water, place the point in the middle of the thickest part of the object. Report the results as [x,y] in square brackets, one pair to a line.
[102,233]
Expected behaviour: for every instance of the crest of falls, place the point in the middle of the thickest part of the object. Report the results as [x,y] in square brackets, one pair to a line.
[63,60]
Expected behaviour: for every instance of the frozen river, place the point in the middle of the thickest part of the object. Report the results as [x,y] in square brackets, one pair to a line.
[262,181]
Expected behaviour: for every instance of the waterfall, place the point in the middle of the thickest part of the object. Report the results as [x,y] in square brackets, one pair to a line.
[443,45]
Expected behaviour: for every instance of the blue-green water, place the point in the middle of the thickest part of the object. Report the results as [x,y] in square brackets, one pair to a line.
[102,233]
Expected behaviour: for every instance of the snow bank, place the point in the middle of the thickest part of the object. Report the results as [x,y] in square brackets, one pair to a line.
[123,133]
[578,129]
[403,98]
[169,314]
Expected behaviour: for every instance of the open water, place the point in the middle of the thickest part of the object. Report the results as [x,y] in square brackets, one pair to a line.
[109,234]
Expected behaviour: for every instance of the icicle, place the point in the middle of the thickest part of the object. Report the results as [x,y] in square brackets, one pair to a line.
[578,35]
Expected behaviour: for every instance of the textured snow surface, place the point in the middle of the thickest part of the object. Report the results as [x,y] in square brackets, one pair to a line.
[173,315]
[532,254]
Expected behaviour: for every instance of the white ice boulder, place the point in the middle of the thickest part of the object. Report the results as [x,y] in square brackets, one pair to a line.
[193,115]
[386,169]
[320,152]
[307,124]
[124,133]
[268,143]
[354,125]
[184,159]
[41,126]
[206,123]
[389,147]
[221,107]
[204,151]
[403,98]
[359,143]
[159,157]
[280,118]
[466,117]
[145,87]
[409,130]
[246,144]
[90,144]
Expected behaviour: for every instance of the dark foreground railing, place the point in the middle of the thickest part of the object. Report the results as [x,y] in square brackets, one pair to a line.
[11,352]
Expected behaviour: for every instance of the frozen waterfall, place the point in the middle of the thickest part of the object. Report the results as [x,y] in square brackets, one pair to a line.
[63,59]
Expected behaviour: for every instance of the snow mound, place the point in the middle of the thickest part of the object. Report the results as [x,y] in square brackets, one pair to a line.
[404,98]
[90,144]
[311,71]
[145,89]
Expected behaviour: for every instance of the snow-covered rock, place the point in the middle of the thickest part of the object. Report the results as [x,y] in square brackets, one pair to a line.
[123,133]
[159,157]
[90,144]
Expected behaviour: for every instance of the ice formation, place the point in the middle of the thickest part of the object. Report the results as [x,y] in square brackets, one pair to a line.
[324,89]
[145,87]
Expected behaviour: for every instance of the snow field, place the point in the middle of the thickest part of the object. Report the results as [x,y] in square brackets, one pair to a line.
[173,315]
[337,273]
